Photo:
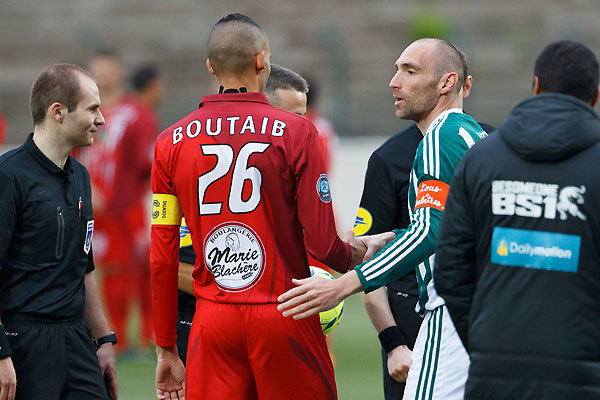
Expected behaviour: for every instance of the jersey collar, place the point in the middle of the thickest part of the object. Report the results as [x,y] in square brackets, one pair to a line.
[255,97]
[442,116]
[44,161]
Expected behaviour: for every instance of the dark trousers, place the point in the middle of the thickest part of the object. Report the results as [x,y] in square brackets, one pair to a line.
[54,360]
[409,322]
[185,316]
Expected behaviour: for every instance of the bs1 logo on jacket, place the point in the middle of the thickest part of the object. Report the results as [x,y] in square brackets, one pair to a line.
[535,200]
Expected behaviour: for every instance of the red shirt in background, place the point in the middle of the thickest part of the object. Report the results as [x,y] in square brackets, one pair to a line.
[119,163]
[2,129]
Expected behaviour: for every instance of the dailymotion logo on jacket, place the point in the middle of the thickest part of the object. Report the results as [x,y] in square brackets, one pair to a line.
[535,249]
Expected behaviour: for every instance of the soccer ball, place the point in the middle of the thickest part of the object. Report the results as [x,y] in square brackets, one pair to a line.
[330,318]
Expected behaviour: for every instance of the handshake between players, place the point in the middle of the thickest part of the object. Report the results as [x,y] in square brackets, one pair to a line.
[313,295]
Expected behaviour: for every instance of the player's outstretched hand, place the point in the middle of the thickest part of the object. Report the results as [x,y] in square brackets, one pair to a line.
[170,374]
[398,363]
[106,358]
[375,243]
[8,379]
[358,248]
[315,294]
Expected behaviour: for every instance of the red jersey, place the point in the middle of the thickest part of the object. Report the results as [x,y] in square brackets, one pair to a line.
[327,135]
[250,180]
[2,129]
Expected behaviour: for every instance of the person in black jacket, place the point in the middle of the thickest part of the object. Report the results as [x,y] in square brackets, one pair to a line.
[518,261]
[49,303]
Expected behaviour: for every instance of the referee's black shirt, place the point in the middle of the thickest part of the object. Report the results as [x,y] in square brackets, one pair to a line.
[385,194]
[45,234]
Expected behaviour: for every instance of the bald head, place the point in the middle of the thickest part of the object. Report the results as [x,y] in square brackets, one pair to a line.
[233,43]
[446,58]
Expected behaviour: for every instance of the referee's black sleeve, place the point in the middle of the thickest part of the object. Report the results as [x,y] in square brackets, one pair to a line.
[90,264]
[8,205]
[187,254]
[454,274]
[379,197]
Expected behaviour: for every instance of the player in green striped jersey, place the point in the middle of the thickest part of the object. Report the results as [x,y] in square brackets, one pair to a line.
[427,85]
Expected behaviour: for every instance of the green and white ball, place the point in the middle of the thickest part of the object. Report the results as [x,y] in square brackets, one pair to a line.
[330,318]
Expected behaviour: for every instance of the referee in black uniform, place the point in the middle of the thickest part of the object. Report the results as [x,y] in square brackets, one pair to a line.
[49,304]
[384,207]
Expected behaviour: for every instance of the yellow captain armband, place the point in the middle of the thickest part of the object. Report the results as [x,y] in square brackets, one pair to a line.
[165,210]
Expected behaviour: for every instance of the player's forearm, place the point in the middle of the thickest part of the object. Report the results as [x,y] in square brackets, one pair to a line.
[185,280]
[378,309]
[93,308]
[409,248]
[164,266]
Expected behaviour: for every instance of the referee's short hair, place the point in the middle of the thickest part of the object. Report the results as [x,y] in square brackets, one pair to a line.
[283,78]
[58,83]
[568,67]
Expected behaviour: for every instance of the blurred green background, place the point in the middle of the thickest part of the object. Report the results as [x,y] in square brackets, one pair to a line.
[355,345]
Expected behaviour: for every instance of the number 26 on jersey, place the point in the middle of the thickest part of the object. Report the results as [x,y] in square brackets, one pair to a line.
[241,173]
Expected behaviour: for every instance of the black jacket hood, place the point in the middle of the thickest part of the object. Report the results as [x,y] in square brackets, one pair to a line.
[550,127]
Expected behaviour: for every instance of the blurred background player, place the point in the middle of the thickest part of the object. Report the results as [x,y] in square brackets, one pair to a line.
[249,234]
[384,207]
[2,130]
[120,166]
[328,138]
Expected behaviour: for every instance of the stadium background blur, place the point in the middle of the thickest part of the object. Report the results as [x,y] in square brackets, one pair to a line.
[347,46]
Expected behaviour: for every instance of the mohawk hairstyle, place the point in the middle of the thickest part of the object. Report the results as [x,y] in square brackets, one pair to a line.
[233,42]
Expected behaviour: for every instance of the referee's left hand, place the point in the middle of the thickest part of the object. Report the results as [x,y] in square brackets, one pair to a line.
[106,358]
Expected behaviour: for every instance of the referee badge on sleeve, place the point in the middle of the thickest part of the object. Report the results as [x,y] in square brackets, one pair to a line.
[89,232]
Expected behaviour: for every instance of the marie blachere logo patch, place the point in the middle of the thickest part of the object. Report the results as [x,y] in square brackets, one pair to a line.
[537,200]
[235,255]
[323,189]
[89,232]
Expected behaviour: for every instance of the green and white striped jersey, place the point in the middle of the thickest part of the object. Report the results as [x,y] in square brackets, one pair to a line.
[448,137]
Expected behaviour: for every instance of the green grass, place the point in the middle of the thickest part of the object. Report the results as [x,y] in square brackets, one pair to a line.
[355,345]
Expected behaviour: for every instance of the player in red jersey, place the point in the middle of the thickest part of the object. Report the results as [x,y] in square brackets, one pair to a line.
[119,164]
[251,182]
[2,129]
[328,138]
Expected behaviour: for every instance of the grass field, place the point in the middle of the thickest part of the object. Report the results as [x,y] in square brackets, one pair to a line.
[357,370]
